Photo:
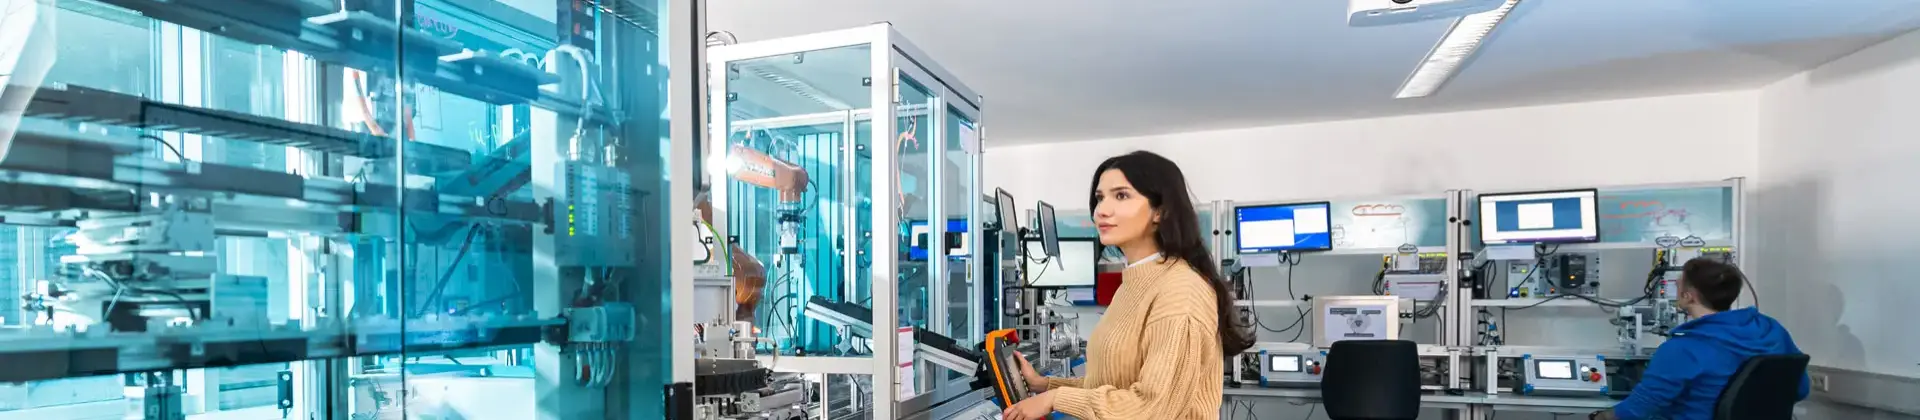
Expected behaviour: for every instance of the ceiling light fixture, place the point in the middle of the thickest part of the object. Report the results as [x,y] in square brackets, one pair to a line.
[1452,51]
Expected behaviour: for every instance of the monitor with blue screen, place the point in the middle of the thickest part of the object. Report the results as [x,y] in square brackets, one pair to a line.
[1283,228]
[1540,217]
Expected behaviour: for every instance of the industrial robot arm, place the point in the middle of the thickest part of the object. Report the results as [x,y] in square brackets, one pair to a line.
[759,169]
[749,275]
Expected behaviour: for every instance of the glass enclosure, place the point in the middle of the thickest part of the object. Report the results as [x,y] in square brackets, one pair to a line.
[849,173]
[334,209]
[789,154]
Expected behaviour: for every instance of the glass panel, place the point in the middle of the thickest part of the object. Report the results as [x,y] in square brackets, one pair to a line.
[797,196]
[915,142]
[1388,224]
[959,196]
[594,150]
[1646,215]
[308,216]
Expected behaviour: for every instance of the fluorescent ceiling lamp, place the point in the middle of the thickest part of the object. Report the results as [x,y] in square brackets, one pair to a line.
[1454,48]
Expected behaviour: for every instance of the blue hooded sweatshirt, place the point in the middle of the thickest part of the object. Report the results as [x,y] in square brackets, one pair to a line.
[1692,367]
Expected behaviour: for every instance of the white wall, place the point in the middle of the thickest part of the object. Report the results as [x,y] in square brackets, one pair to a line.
[1686,138]
[1837,188]
[1640,141]
[1678,138]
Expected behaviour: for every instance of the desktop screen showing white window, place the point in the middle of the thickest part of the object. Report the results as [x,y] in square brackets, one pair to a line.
[1283,228]
[1566,216]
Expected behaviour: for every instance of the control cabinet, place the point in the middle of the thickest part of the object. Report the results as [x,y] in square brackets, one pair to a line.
[1564,375]
[1416,276]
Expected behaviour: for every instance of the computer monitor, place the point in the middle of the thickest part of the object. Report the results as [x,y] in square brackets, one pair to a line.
[1049,233]
[1076,267]
[921,234]
[1571,216]
[1006,215]
[1283,228]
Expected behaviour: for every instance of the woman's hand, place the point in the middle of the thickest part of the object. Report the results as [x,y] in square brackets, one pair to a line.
[1039,407]
[1035,381]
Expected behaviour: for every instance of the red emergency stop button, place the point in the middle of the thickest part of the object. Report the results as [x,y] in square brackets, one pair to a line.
[1595,377]
[1315,370]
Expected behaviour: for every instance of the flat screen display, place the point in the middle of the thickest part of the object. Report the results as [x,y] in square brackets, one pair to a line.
[1540,217]
[1008,216]
[1284,363]
[1283,227]
[1075,267]
[1553,369]
[1049,233]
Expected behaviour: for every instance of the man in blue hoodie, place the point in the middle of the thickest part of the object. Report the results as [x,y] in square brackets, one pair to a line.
[1689,371]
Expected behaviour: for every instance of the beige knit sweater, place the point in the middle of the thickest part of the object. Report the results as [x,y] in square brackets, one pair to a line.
[1155,354]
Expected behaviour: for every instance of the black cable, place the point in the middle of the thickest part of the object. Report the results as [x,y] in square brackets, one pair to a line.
[447,276]
[1608,302]
[1542,301]
[1036,276]
[1380,281]
[163,142]
[775,306]
[1295,260]
[1255,310]
[1540,261]
[120,288]
[176,296]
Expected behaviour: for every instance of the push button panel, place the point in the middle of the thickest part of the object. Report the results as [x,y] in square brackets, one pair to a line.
[1282,369]
[1564,375]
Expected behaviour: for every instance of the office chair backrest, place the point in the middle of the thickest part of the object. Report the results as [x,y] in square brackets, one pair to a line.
[1372,380]
[1764,388]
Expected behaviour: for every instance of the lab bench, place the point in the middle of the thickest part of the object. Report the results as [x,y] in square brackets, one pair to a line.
[1495,402]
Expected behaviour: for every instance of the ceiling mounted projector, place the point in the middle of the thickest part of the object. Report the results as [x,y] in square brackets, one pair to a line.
[1394,12]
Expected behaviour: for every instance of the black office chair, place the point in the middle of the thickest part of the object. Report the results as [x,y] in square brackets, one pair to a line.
[1372,380]
[1765,388]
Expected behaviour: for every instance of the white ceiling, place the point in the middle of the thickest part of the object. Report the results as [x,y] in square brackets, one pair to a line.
[1064,70]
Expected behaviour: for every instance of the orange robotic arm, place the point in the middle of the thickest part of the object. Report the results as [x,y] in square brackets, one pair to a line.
[753,167]
[759,169]
[749,276]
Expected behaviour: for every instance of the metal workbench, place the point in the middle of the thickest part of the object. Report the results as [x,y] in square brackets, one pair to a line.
[1561,405]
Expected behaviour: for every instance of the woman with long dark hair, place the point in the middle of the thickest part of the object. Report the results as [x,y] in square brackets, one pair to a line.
[1158,351]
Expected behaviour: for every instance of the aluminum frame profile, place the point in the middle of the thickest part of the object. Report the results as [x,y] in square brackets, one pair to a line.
[892,58]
